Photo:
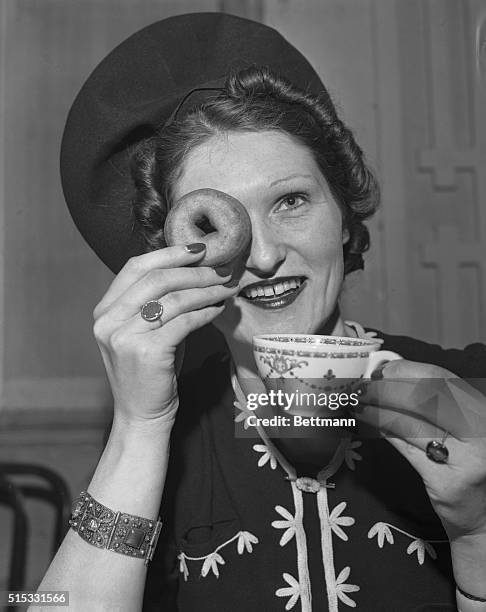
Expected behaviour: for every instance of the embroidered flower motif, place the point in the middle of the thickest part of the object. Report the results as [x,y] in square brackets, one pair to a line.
[421,546]
[246,541]
[266,456]
[350,455]
[383,531]
[243,415]
[211,563]
[336,520]
[183,566]
[292,591]
[288,524]
[342,588]
[417,545]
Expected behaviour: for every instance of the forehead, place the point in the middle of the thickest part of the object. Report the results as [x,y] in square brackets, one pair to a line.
[239,162]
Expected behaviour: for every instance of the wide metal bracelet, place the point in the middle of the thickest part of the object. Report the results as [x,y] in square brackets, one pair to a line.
[120,532]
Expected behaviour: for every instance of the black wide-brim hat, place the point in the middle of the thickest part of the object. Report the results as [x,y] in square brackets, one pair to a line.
[133,92]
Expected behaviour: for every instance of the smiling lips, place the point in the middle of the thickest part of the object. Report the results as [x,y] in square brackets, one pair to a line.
[277,293]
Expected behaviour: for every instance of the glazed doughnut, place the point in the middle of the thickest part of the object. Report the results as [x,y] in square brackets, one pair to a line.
[212,217]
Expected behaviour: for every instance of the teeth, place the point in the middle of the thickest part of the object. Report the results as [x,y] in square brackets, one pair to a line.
[272,290]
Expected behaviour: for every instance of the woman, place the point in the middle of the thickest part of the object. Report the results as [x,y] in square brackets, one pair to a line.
[238,533]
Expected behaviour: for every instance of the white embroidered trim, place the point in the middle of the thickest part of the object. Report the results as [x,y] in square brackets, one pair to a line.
[330,523]
[243,414]
[267,456]
[295,527]
[336,521]
[336,587]
[213,559]
[383,532]
[292,591]
[288,524]
[350,455]
[342,588]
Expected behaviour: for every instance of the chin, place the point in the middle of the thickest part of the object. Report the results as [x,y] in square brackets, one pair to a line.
[240,324]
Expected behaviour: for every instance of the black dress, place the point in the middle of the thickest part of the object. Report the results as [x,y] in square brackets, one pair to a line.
[238,536]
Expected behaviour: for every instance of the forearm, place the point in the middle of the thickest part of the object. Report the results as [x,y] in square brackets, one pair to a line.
[130,478]
[469,564]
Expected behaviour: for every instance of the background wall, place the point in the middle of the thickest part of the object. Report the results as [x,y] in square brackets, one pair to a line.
[406,76]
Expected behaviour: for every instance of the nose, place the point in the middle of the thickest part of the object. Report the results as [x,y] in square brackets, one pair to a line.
[266,252]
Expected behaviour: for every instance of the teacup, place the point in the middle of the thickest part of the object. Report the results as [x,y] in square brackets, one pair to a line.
[317,357]
[312,366]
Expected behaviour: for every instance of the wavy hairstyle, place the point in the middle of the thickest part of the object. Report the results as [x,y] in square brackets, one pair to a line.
[256,99]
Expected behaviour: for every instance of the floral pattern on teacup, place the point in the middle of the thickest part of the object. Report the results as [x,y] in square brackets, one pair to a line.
[282,365]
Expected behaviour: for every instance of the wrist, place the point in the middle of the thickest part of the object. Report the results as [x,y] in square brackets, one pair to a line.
[128,426]
[130,475]
[469,563]
[466,604]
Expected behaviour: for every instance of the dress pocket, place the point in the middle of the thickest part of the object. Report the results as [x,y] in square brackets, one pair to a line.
[204,548]
[204,539]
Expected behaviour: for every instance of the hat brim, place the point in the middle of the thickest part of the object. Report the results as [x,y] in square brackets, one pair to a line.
[132,92]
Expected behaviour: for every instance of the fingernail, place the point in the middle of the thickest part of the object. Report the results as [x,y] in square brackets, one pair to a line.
[232,283]
[378,373]
[223,271]
[195,247]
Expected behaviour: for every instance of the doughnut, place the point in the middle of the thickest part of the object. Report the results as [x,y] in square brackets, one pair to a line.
[212,217]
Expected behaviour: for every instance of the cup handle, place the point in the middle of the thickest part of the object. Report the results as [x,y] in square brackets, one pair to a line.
[379,357]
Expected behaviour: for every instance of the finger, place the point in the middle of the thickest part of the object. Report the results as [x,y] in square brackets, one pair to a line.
[406,427]
[137,267]
[159,283]
[177,303]
[413,454]
[426,467]
[177,329]
[417,389]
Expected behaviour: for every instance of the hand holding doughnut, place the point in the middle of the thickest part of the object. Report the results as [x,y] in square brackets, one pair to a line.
[212,217]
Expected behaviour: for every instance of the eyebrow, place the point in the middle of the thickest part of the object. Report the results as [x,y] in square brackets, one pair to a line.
[289,178]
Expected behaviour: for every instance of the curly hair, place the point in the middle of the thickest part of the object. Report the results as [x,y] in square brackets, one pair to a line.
[253,100]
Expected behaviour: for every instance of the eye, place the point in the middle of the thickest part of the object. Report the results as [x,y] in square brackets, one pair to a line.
[292,201]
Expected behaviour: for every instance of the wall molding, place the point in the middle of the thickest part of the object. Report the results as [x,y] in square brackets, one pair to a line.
[57,393]
[391,160]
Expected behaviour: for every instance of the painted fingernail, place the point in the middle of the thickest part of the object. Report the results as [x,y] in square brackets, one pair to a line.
[195,247]
[223,271]
[232,283]
[378,373]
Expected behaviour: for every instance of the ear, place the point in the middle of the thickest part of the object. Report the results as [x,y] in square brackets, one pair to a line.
[345,235]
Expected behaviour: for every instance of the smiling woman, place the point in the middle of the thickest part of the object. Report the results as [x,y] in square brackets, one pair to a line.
[265,171]
[240,111]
